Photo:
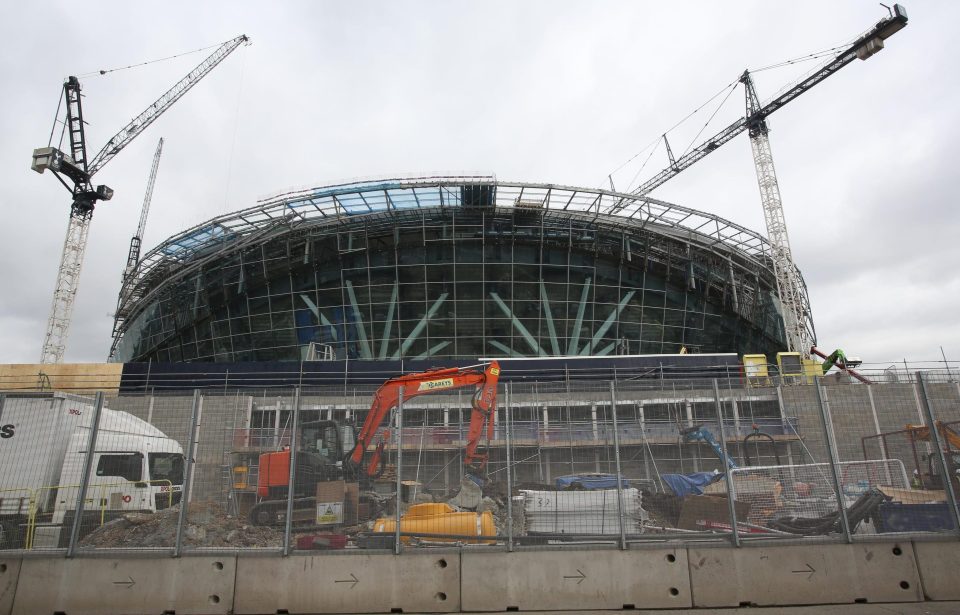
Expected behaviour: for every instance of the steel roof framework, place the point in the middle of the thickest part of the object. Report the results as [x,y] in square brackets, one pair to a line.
[188,251]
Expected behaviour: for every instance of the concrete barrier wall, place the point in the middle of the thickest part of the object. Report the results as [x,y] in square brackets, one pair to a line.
[443,581]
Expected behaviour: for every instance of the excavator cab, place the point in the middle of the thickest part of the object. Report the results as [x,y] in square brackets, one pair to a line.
[933,476]
[321,446]
[325,439]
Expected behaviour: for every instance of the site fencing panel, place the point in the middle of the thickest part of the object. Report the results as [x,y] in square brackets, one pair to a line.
[576,464]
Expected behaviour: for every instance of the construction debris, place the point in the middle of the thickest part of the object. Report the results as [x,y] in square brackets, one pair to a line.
[207,526]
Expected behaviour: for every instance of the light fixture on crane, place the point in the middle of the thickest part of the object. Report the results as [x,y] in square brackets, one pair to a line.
[85,196]
[798,324]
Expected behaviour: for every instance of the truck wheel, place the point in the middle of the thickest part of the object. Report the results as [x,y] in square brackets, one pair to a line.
[263,517]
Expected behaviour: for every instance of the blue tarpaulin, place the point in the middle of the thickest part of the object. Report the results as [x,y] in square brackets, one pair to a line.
[690,484]
[591,481]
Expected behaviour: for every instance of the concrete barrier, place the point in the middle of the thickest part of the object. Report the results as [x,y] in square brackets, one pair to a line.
[804,574]
[939,564]
[575,580]
[197,585]
[444,581]
[9,572]
[349,583]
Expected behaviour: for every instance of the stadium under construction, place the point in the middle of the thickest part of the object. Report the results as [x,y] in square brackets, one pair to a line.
[456,379]
[451,269]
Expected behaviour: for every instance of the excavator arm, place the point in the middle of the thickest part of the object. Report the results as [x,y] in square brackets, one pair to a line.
[413,385]
[922,433]
[698,433]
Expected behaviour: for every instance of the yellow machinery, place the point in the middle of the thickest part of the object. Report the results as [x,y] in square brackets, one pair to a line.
[439,522]
[755,370]
[797,369]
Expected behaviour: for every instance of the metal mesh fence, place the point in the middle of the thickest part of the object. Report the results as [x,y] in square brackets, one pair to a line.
[573,464]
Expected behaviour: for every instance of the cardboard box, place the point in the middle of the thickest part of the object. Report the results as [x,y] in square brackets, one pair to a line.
[331,491]
[330,502]
[351,504]
[704,512]
[914,496]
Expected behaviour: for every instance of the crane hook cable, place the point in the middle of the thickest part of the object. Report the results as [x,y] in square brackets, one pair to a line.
[803,58]
[112,70]
[685,118]
[710,119]
[56,118]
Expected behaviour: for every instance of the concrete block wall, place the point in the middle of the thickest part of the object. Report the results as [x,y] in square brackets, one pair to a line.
[453,581]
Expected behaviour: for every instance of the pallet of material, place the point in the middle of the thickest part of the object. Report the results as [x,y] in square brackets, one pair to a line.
[593,512]
[760,492]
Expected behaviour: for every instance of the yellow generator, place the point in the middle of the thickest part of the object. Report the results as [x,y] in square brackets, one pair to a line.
[439,522]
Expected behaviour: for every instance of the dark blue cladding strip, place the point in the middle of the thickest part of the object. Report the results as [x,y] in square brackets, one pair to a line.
[169,376]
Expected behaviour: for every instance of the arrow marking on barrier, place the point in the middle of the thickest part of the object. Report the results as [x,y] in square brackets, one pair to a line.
[129,583]
[810,569]
[579,576]
[353,580]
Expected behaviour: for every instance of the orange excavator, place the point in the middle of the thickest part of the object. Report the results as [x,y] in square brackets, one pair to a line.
[322,456]
[413,385]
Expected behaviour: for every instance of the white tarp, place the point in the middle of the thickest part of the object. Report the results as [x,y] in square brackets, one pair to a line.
[582,512]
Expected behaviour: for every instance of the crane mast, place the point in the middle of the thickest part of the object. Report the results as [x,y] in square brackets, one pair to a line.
[76,168]
[798,323]
[85,197]
[133,256]
[799,336]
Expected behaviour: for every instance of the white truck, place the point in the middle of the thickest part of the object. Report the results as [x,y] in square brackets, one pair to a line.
[43,449]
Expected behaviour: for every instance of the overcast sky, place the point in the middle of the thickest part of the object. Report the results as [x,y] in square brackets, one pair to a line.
[560,92]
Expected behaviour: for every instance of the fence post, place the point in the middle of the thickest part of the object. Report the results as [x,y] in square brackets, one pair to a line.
[85,481]
[832,454]
[187,474]
[727,476]
[935,436]
[507,418]
[616,457]
[291,481]
[399,441]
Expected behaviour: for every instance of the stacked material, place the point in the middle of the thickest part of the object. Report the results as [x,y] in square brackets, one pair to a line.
[582,512]
[762,493]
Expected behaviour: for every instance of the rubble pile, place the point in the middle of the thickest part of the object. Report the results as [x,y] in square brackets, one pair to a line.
[207,526]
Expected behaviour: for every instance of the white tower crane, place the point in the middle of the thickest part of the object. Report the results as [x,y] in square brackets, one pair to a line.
[133,256]
[798,323]
[75,167]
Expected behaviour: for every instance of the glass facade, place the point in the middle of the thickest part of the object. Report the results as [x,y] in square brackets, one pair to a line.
[469,279]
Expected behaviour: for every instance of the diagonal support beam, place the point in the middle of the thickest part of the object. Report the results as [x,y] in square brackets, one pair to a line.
[320,317]
[358,322]
[434,350]
[417,330]
[531,341]
[504,349]
[609,321]
[385,340]
[575,337]
[554,344]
